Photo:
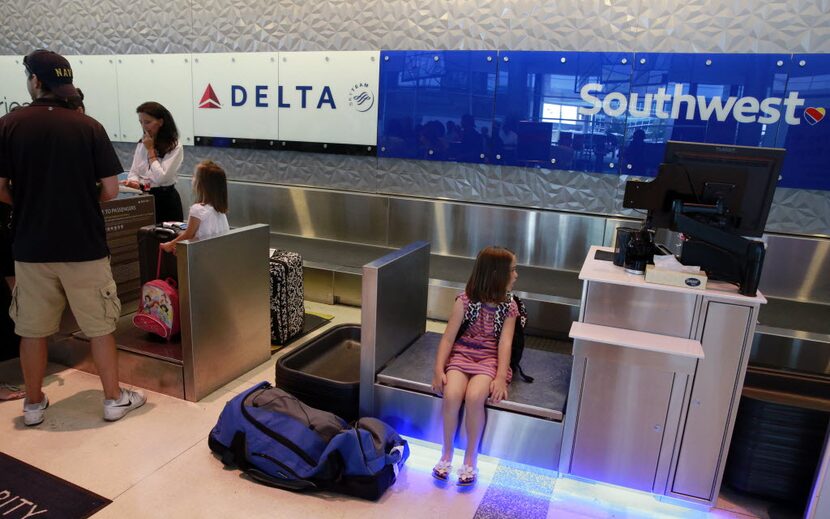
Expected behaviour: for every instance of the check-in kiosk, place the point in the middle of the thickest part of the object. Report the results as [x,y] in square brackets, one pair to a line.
[658,372]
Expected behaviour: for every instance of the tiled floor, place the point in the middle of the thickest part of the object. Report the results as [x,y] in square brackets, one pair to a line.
[156,463]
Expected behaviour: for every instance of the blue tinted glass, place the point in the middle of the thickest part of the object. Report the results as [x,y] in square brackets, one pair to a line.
[806,136]
[436,105]
[546,113]
[716,98]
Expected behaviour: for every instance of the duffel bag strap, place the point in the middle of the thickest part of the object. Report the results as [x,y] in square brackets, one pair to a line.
[298,485]
[236,455]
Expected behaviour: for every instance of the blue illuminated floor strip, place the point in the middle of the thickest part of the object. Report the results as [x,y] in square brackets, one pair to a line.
[517,491]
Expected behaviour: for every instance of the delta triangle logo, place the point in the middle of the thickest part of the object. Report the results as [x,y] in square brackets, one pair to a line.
[209,99]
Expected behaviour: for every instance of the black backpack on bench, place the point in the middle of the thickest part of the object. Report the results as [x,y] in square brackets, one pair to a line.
[518,347]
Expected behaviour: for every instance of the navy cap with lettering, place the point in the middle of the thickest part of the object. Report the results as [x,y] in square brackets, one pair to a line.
[53,70]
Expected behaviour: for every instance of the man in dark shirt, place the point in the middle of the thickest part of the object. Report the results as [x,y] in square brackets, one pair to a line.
[51,158]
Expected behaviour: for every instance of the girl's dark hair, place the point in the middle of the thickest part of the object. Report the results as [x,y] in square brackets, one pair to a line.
[211,185]
[491,275]
[168,135]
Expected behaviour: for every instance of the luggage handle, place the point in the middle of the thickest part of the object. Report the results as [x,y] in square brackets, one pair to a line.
[158,265]
[162,233]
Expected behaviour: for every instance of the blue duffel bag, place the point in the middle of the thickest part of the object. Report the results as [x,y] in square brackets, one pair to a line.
[279,441]
[371,454]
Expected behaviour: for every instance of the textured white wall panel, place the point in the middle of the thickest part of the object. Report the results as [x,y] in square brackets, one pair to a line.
[179,26]
[96,26]
[244,26]
[577,25]
[800,211]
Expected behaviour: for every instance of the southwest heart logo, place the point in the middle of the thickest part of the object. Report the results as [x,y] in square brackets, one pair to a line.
[209,99]
[814,115]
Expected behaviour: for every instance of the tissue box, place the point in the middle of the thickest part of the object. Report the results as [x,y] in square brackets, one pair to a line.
[675,278]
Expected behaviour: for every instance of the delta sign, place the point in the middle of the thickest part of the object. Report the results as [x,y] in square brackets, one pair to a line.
[323,97]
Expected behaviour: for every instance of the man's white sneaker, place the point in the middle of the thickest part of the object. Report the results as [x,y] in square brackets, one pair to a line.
[116,409]
[33,414]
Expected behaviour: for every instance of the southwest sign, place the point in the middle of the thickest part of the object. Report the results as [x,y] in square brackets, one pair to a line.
[678,105]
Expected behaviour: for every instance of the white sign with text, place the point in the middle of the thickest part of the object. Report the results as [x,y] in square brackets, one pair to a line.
[97,79]
[13,92]
[234,95]
[329,97]
[325,97]
[164,78]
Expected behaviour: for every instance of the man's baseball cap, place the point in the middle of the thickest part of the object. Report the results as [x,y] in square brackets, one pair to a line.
[53,70]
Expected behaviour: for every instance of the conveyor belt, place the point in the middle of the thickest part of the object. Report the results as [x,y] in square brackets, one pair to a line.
[532,280]
[336,255]
[545,397]
[796,315]
[350,257]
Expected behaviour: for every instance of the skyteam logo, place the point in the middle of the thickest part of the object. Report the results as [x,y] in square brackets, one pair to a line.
[679,105]
[361,97]
[264,96]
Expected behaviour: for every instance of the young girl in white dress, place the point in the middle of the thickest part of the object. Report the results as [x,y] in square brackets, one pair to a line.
[208,216]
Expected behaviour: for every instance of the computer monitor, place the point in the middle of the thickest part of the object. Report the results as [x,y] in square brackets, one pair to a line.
[737,183]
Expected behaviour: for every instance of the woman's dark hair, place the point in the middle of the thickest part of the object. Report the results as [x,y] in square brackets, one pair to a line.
[77,101]
[491,275]
[168,135]
[211,185]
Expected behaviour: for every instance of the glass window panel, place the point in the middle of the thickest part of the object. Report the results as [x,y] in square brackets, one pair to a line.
[436,105]
[807,142]
[540,116]
[713,98]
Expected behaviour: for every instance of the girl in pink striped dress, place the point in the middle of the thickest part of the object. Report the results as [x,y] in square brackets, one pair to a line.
[475,364]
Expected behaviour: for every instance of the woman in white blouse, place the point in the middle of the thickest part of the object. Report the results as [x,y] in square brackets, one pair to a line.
[157,160]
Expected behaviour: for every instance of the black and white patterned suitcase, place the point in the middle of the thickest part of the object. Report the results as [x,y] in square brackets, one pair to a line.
[287,310]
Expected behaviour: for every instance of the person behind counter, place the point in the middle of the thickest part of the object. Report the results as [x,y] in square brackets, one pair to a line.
[208,216]
[157,160]
[77,102]
[475,364]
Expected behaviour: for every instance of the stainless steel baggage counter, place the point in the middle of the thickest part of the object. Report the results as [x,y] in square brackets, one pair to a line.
[545,397]
[225,321]
[397,358]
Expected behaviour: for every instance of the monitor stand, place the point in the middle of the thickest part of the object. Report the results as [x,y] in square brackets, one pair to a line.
[722,255]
